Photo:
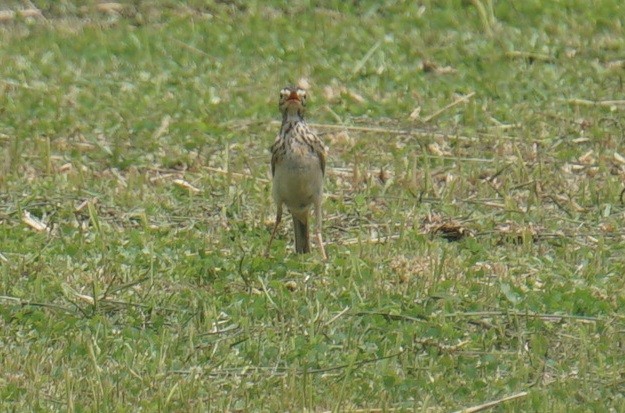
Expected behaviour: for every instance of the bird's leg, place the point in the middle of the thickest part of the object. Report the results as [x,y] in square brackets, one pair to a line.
[318,224]
[275,228]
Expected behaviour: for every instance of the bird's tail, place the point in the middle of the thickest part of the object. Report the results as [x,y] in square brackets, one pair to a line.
[302,243]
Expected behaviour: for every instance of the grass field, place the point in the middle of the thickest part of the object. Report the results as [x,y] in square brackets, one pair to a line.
[472,217]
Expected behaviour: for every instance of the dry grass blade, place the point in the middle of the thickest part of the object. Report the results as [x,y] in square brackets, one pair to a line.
[494,403]
[443,348]
[110,7]
[34,222]
[389,316]
[192,48]
[587,102]
[235,174]
[366,57]
[337,316]
[530,56]
[186,185]
[163,128]
[24,303]
[546,317]
[6,15]
[125,286]
[411,132]
[456,102]
[372,240]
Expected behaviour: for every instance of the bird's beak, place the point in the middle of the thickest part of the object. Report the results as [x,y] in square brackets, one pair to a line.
[293,96]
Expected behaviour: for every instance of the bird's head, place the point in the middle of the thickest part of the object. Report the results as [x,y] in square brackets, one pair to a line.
[292,100]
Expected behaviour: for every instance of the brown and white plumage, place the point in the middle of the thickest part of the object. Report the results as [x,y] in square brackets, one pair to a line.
[298,168]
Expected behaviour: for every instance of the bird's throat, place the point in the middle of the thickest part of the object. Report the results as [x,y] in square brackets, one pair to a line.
[293,115]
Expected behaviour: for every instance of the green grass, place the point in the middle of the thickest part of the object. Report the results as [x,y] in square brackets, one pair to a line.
[144,294]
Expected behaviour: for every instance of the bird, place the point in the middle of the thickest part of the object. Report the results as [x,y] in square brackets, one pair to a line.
[298,163]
